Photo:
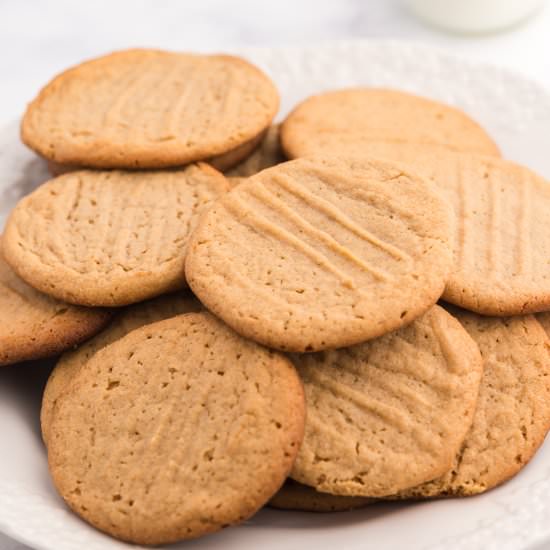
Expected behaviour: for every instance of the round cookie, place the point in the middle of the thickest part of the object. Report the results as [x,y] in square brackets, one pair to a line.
[512,416]
[501,242]
[35,326]
[348,121]
[321,253]
[295,496]
[387,413]
[221,162]
[109,238]
[177,430]
[131,318]
[150,109]
[268,154]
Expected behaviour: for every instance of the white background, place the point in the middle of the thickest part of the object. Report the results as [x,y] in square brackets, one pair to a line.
[39,38]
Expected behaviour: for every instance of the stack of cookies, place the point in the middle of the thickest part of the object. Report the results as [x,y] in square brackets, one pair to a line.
[344,301]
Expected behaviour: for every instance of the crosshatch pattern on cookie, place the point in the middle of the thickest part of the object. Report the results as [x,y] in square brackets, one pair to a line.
[501,242]
[384,414]
[35,325]
[110,237]
[513,411]
[150,109]
[336,252]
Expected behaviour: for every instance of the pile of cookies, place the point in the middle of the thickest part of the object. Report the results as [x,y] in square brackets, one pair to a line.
[227,318]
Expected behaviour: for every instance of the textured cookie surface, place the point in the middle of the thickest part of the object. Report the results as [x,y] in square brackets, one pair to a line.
[296,496]
[266,155]
[131,318]
[220,162]
[386,413]
[501,242]
[544,320]
[109,238]
[178,429]
[513,411]
[34,325]
[321,253]
[349,121]
[149,109]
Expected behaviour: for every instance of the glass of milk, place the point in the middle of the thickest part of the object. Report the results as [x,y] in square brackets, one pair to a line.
[474,16]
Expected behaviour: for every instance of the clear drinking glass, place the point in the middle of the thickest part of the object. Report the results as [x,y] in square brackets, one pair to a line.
[474,16]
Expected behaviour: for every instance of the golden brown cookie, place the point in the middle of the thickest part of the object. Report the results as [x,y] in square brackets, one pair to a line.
[544,320]
[127,320]
[321,253]
[34,326]
[109,238]
[234,181]
[501,241]
[221,162]
[268,154]
[512,416]
[56,169]
[347,122]
[235,156]
[150,109]
[295,496]
[177,430]
[384,414]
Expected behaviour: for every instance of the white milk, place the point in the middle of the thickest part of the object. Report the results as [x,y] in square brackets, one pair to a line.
[474,16]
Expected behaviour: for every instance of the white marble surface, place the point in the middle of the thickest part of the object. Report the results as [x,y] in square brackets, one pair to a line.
[38,39]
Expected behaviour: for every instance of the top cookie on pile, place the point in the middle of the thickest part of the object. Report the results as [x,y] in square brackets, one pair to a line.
[322,253]
[150,109]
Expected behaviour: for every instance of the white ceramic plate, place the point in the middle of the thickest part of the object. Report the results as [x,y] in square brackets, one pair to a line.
[512,517]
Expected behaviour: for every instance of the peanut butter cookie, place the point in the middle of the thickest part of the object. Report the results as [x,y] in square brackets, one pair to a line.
[384,414]
[35,326]
[177,430]
[109,238]
[347,122]
[322,253]
[127,320]
[512,416]
[151,109]
[296,496]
